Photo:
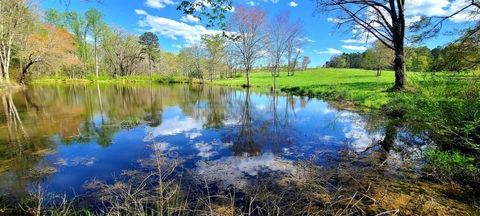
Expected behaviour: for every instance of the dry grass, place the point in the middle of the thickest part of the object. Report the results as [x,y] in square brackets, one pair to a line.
[359,185]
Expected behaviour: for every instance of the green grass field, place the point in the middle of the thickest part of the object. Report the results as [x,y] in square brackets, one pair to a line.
[361,87]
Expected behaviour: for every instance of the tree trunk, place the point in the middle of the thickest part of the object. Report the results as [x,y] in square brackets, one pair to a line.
[288,67]
[23,75]
[399,67]
[248,77]
[96,59]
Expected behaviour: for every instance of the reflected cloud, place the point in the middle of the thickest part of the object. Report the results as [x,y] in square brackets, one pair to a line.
[173,126]
[193,135]
[78,161]
[235,170]
[163,147]
[205,150]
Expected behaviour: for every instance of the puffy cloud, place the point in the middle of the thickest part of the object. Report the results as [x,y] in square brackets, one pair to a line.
[354,48]
[329,51]
[426,7]
[293,4]
[190,18]
[173,29]
[158,4]
[173,126]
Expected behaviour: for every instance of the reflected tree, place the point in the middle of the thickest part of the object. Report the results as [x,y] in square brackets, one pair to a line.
[245,142]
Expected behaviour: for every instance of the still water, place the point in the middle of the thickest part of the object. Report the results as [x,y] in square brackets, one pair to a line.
[64,136]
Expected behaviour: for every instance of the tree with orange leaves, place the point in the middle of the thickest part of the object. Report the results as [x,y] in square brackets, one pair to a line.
[50,46]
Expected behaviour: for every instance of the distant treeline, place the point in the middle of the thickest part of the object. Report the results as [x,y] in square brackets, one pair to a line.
[458,56]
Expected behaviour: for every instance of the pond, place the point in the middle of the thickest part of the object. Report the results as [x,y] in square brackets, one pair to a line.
[65,136]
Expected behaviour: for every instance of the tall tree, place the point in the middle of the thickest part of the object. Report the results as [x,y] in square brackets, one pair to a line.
[14,19]
[215,50]
[151,48]
[123,52]
[55,17]
[78,26]
[249,37]
[382,19]
[281,34]
[96,25]
[378,57]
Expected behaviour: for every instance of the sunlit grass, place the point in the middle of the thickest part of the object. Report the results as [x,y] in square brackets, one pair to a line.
[362,87]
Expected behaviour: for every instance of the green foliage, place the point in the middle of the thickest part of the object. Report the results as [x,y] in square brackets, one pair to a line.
[418,59]
[346,60]
[451,166]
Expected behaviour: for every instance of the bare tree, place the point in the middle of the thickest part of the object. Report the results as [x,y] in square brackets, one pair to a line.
[305,62]
[249,37]
[382,19]
[293,54]
[294,49]
[282,34]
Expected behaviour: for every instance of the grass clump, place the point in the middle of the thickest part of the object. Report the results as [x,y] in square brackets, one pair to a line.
[452,167]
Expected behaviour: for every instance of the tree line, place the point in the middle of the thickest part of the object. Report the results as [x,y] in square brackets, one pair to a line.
[75,45]
[457,56]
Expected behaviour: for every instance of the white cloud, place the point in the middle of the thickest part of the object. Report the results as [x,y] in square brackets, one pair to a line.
[426,7]
[349,41]
[329,51]
[354,48]
[306,39]
[173,126]
[417,8]
[173,29]
[252,3]
[178,46]
[334,20]
[190,18]
[158,4]
[467,15]
[293,4]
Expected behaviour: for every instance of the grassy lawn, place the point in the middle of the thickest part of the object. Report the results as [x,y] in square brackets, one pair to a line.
[362,87]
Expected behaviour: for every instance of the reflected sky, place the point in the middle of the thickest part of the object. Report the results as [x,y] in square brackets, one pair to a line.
[80,133]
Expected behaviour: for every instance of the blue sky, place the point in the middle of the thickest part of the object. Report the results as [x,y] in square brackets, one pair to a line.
[176,30]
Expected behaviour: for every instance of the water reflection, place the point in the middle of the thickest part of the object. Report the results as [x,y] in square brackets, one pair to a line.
[64,136]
